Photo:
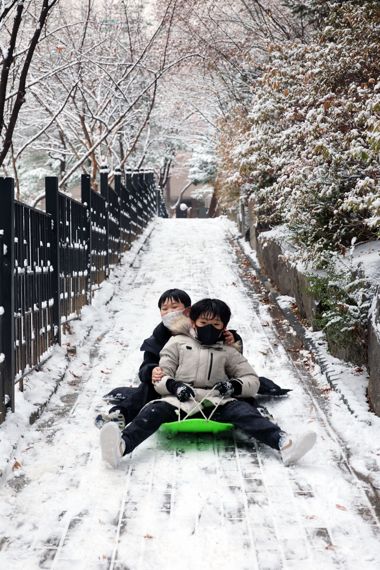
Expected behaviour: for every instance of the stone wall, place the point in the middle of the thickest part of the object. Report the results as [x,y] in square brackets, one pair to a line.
[272,249]
[374,356]
[361,347]
[288,278]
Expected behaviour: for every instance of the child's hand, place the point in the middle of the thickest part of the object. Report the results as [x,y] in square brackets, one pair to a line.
[179,389]
[228,337]
[225,388]
[184,393]
[157,374]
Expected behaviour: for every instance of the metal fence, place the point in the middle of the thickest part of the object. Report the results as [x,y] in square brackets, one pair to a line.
[32,285]
[51,262]
[3,387]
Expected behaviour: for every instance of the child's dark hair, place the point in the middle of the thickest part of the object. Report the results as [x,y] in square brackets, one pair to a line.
[211,308]
[175,295]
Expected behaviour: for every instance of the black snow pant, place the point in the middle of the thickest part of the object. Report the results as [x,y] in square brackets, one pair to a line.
[242,415]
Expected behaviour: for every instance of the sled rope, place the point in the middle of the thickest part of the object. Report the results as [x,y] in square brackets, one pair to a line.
[199,406]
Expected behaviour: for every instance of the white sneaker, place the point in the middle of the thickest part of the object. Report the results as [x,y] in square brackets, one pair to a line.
[102,419]
[292,448]
[111,444]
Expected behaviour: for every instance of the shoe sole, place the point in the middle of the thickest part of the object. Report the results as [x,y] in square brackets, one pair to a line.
[110,444]
[303,447]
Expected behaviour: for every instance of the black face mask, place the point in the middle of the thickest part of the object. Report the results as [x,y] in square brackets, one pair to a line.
[208,334]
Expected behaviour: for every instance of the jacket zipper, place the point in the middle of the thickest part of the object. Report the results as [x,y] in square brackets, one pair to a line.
[209,370]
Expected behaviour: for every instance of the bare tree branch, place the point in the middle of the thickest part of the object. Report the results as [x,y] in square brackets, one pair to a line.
[7,9]
[116,124]
[7,62]
[20,97]
[45,128]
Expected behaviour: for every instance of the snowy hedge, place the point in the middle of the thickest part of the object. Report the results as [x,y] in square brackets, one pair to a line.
[307,153]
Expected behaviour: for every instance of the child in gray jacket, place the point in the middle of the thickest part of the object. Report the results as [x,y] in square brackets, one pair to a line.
[201,374]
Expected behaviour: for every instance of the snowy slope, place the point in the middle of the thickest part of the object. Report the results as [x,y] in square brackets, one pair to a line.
[191,502]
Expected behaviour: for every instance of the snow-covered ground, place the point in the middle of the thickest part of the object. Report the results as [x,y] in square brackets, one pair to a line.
[193,501]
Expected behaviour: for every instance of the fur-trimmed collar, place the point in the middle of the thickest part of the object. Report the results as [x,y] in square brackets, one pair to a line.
[181,325]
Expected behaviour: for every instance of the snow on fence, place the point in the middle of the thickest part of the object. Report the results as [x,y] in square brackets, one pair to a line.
[51,262]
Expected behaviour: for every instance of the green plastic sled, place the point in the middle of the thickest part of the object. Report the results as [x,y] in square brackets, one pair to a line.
[196,425]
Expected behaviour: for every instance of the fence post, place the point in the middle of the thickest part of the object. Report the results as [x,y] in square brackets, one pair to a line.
[104,191]
[145,197]
[158,196]
[118,192]
[152,194]
[130,195]
[52,208]
[86,201]
[2,377]
[117,180]
[136,181]
[7,226]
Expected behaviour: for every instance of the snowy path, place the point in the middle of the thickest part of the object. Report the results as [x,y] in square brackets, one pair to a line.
[192,502]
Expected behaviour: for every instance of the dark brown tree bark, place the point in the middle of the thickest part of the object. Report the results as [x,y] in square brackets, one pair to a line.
[9,128]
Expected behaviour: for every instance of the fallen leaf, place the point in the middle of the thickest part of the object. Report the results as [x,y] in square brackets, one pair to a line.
[148,536]
[16,465]
[341,507]
[75,375]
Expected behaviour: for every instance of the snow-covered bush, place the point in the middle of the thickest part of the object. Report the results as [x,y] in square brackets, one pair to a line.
[311,159]
[344,295]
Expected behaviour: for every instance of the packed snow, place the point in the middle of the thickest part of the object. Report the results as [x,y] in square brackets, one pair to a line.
[193,501]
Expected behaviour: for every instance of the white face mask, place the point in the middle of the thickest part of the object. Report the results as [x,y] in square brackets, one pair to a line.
[170,318]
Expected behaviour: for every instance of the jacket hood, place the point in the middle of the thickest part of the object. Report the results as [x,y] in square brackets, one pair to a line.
[162,334]
[181,325]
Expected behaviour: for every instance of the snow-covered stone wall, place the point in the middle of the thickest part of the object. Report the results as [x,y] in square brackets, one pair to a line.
[275,255]
[374,355]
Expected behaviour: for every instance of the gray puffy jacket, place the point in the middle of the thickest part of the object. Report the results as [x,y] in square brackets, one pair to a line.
[185,359]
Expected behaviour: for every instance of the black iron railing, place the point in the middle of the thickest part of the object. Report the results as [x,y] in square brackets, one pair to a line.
[33,286]
[51,262]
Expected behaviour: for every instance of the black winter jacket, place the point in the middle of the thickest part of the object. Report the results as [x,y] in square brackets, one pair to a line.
[152,347]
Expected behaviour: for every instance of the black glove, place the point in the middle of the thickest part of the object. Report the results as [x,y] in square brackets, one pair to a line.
[269,388]
[179,389]
[228,387]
